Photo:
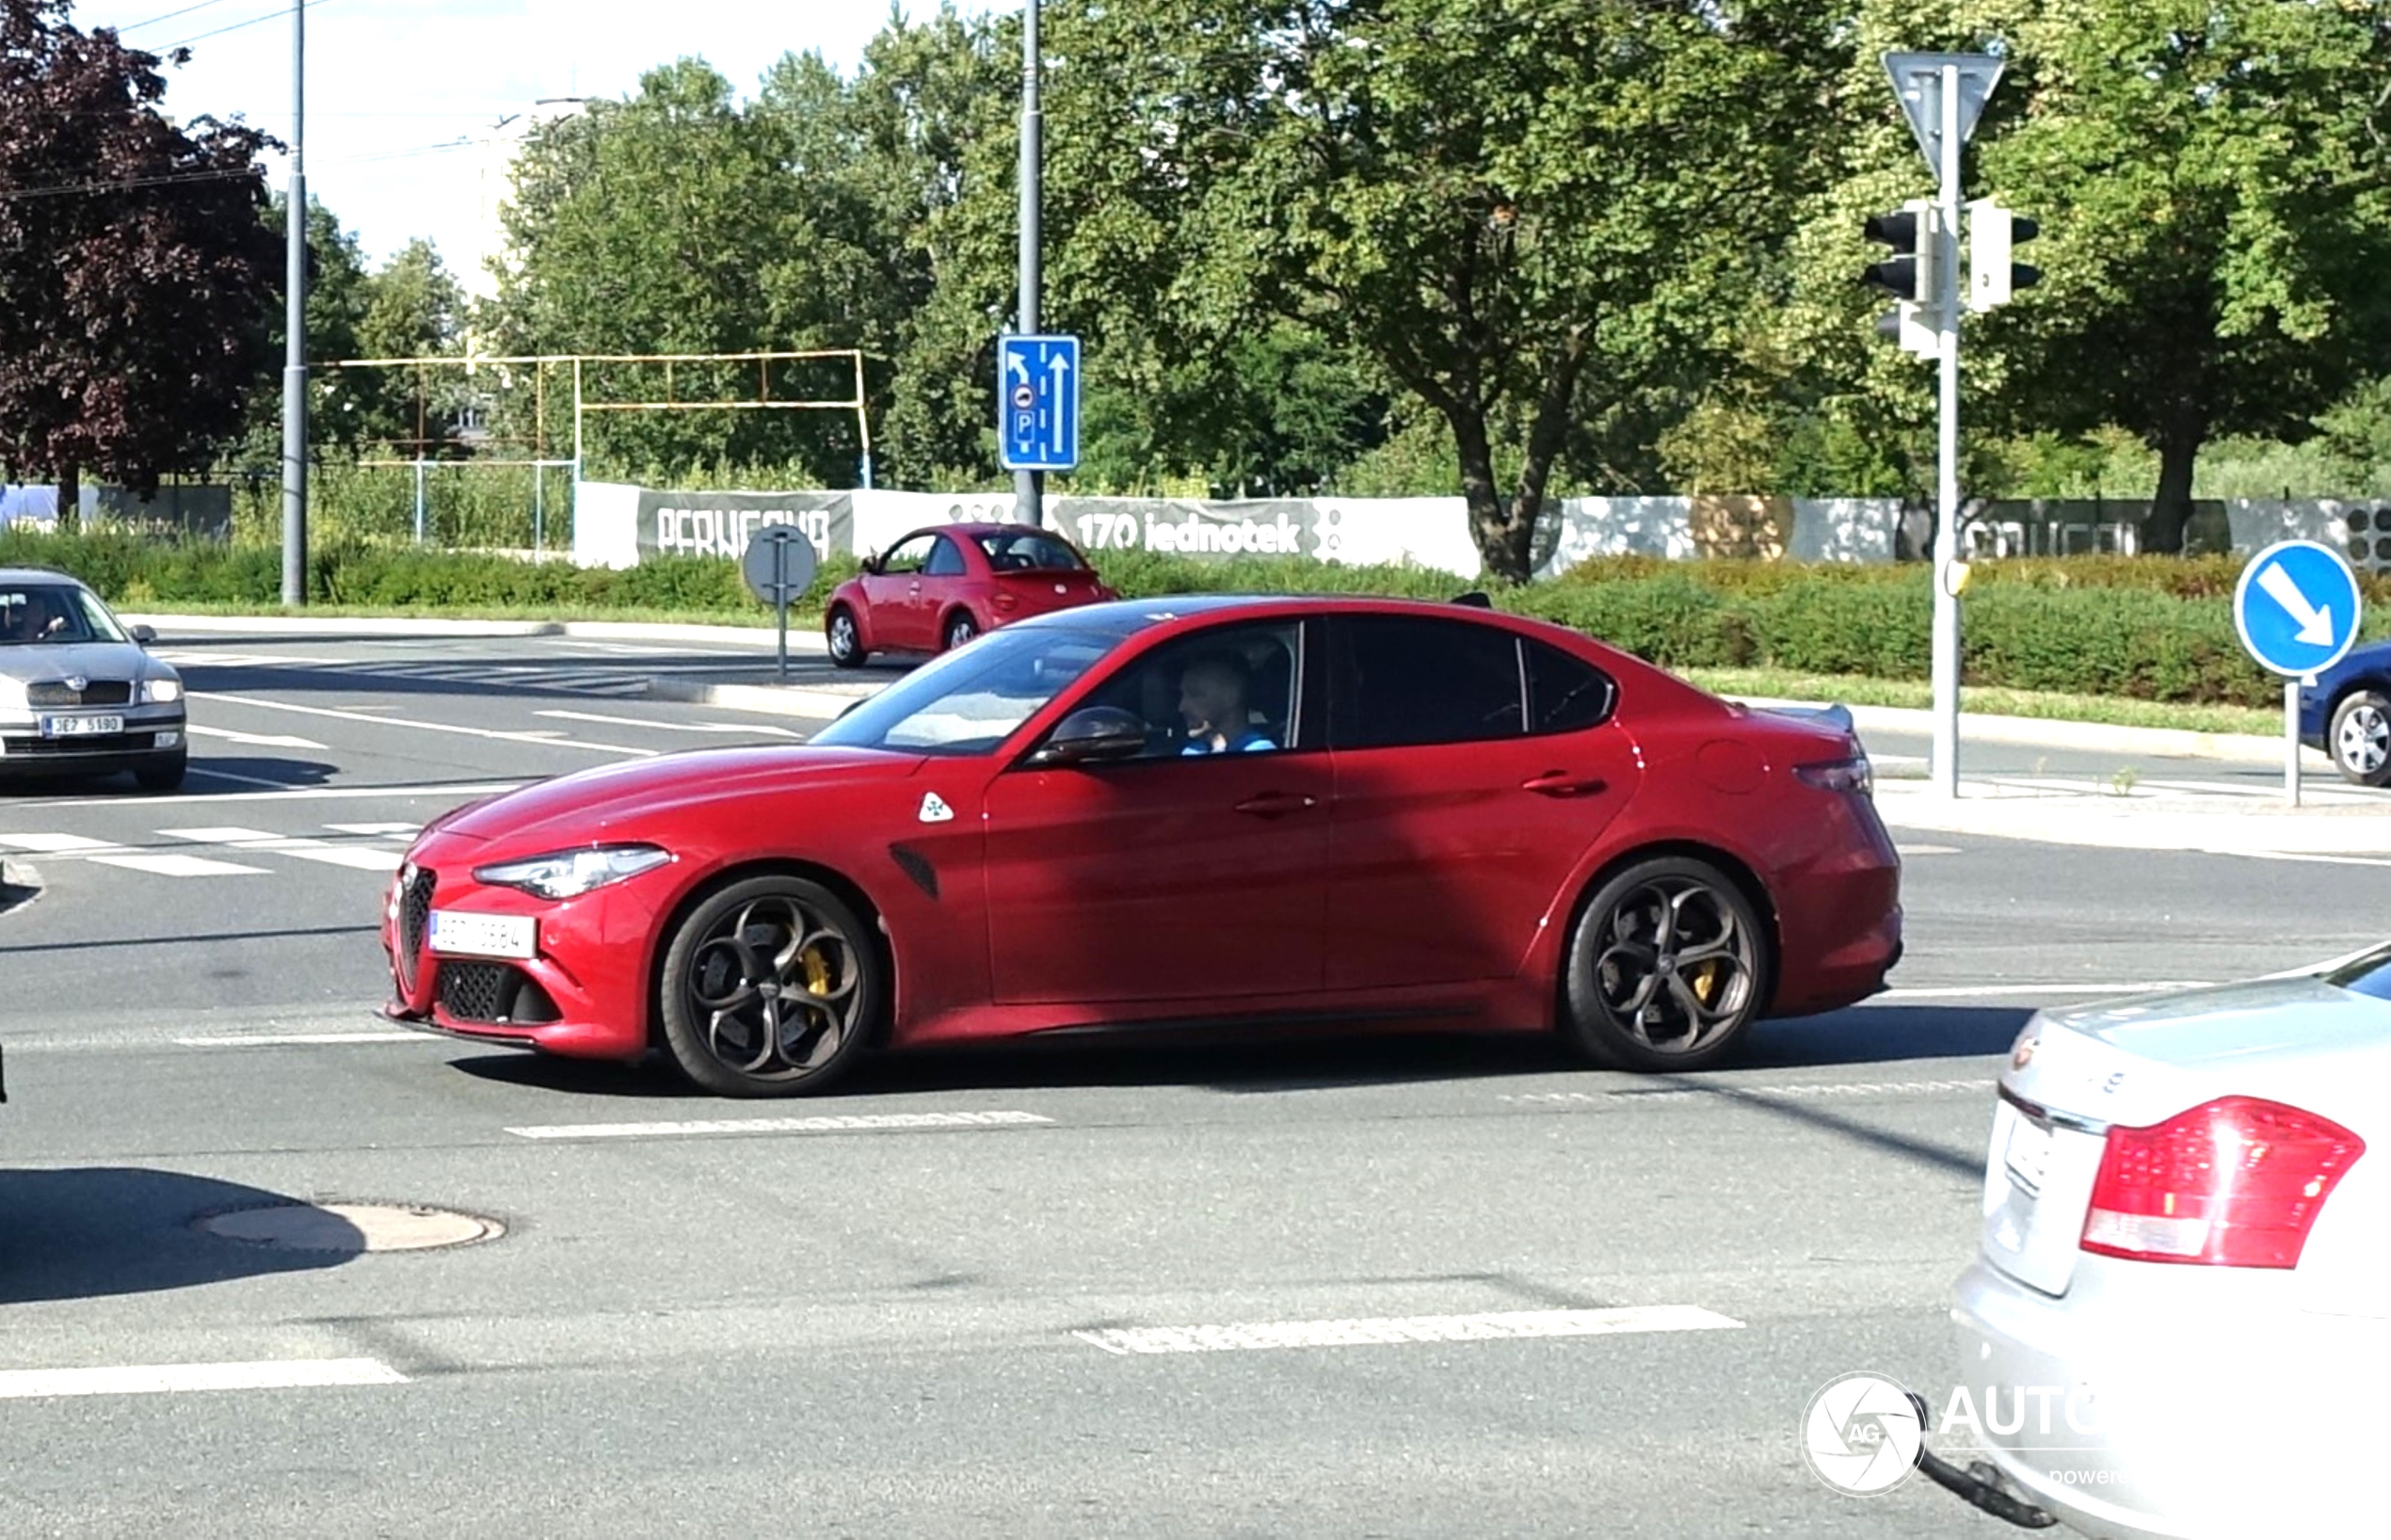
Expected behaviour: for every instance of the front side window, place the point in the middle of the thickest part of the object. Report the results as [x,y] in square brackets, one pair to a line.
[1228,690]
[909,557]
[946,560]
[1405,680]
[971,700]
[1030,550]
[35,614]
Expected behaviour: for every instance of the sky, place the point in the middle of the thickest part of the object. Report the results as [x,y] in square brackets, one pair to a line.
[395,86]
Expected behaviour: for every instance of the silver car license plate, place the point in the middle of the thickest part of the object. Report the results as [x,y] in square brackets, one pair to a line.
[2028,1156]
[81,727]
[459,934]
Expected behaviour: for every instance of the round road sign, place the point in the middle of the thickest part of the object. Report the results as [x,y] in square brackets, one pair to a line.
[2297,608]
[779,563]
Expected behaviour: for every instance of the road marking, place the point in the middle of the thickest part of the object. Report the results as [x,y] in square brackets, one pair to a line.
[839,1123]
[665,727]
[374,830]
[179,866]
[260,740]
[163,1379]
[492,733]
[1386,1331]
[1906,851]
[1968,991]
[307,850]
[2321,860]
[284,791]
[219,836]
[299,1039]
[52,844]
[1823,1089]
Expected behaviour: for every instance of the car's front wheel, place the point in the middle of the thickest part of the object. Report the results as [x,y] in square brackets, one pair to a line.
[1667,968]
[2359,739]
[164,774]
[845,639]
[771,987]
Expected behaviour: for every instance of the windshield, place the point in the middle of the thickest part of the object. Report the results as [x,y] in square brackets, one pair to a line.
[971,700]
[1033,552]
[56,613]
[2366,975]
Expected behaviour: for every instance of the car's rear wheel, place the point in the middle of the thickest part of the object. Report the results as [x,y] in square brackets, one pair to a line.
[164,774]
[845,639]
[1667,968]
[960,629]
[2359,739]
[771,987]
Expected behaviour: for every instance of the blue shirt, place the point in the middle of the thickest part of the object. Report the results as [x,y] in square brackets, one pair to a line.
[1246,743]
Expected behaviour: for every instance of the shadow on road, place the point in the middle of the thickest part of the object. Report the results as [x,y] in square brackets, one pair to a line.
[102,1230]
[1258,1066]
[285,772]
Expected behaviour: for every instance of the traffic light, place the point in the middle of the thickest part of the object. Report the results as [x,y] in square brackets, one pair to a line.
[1908,276]
[1993,234]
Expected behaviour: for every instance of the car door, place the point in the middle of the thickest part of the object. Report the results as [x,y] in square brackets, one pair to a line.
[946,582]
[1176,875]
[893,595]
[1474,767]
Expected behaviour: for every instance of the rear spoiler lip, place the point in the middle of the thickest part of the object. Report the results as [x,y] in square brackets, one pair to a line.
[1837,716]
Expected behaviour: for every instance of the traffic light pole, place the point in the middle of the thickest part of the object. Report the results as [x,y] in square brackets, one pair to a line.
[1945,634]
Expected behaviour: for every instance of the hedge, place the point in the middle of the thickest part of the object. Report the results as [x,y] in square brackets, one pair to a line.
[2156,628]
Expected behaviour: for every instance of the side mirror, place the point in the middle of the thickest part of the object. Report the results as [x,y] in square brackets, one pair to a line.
[1092,733]
[144,635]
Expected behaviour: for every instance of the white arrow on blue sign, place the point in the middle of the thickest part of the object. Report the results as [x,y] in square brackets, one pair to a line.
[1038,394]
[2297,608]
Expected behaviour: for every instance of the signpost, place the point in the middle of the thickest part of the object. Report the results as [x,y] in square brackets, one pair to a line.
[1037,414]
[779,565]
[2297,610]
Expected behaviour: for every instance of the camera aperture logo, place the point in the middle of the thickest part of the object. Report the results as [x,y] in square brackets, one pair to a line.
[1862,1433]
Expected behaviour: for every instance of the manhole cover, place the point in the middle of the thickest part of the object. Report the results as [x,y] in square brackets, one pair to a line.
[350,1228]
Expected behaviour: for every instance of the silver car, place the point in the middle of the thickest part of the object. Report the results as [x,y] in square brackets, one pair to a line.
[79,694]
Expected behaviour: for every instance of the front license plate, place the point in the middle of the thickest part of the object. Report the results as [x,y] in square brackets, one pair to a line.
[81,727]
[462,935]
[2028,1156]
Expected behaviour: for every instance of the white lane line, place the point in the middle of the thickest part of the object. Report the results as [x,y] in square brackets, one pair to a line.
[260,740]
[1907,851]
[839,1123]
[374,829]
[202,769]
[219,836]
[2320,860]
[284,791]
[179,866]
[1965,991]
[52,844]
[162,1379]
[1385,1331]
[665,727]
[1825,1089]
[493,734]
[299,1039]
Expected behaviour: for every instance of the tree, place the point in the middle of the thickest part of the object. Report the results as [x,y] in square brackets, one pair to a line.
[137,268]
[2216,213]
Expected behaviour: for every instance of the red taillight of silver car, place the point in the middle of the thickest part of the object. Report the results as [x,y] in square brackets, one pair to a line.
[2236,1183]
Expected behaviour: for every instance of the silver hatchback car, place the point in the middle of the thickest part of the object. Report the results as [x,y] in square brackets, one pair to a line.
[79,694]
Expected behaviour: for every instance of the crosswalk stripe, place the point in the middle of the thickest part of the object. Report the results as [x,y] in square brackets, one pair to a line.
[216,836]
[350,855]
[52,844]
[164,1379]
[179,866]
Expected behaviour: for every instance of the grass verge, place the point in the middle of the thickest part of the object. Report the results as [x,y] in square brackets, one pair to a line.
[2110,710]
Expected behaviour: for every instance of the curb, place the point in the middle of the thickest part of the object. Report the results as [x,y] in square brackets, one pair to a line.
[2360,834]
[775,699]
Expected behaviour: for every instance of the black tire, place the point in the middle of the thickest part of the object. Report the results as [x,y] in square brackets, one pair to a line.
[163,774]
[2359,739]
[1638,996]
[845,637]
[960,629]
[727,1032]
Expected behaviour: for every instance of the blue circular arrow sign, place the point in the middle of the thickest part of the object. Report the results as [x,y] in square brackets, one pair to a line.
[2297,607]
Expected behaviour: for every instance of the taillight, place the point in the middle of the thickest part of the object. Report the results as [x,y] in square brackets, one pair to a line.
[2234,1183]
[1007,602]
[1854,776]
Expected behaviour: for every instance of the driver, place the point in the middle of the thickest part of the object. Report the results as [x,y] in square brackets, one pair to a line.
[1212,692]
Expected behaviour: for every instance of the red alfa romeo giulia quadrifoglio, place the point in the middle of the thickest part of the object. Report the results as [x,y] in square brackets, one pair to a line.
[1175,813]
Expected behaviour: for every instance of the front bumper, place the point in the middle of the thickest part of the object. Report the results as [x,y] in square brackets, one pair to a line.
[583,994]
[149,732]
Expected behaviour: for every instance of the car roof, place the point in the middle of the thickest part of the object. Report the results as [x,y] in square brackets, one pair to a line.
[1123,616]
[38,574]
[985,526]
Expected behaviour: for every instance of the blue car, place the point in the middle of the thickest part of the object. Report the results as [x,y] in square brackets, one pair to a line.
[2347,712]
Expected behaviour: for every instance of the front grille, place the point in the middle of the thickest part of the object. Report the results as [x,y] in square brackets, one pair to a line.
[492,992]
[415,913]
[98,692]
[106,743]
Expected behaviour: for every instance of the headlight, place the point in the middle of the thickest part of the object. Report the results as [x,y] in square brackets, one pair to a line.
[11,692]
[567,873]
[159,692]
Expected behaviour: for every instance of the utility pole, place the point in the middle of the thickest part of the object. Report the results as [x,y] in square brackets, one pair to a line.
[1946,633]
[1028,486]
[295,327]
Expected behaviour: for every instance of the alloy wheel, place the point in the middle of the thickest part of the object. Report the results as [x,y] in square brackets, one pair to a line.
[2364,742]
[777,987]
[1676,967]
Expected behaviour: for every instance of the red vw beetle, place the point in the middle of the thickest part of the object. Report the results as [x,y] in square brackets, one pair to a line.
[937,589]
[1175,813]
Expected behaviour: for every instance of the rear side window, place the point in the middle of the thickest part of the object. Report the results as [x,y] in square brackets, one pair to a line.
[1565,694]
[1405,679]
[1034,552]
[945,560]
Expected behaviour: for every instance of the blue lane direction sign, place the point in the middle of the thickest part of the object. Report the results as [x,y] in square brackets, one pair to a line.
[1038,393]
[2297,608]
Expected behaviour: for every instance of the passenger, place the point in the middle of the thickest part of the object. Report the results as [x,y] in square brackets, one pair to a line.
[1212,700]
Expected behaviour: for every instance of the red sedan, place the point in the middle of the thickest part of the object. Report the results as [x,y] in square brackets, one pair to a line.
[937,589]
[1175,813]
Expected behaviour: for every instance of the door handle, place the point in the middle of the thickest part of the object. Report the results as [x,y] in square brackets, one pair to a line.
[1562,783]
[1276,803]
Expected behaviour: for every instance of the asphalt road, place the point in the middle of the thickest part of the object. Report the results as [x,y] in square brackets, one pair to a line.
[860,1323]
